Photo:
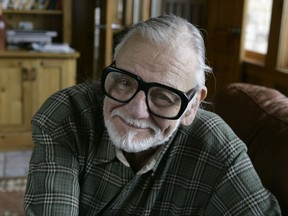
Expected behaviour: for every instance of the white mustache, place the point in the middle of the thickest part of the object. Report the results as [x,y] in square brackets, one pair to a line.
[135,122]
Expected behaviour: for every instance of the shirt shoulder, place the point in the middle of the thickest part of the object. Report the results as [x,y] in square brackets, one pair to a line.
[74,102]
[210,133]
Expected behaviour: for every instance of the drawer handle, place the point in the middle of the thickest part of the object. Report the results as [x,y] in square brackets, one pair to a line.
[33,74]
[25,74]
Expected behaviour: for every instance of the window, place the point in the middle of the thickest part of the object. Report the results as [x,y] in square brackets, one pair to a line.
[258,17]
[269,66]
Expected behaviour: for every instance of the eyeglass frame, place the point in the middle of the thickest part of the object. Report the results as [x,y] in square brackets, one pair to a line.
[145,86]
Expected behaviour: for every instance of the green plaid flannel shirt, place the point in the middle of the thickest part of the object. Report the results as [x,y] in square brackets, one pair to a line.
[203,170]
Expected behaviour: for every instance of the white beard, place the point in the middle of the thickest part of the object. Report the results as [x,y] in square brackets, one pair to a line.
[129,141]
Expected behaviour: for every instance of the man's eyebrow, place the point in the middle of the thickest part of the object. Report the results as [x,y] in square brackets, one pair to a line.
[168,82]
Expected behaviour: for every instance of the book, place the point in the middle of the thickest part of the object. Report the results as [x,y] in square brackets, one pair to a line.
[42,4]
[29,4]
[52,5]
[13,4]
[5,4]
[21,4]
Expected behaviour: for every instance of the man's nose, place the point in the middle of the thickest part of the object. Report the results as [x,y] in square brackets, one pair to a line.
[137,107]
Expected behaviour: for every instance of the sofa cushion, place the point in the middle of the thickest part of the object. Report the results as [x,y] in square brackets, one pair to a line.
[259,116]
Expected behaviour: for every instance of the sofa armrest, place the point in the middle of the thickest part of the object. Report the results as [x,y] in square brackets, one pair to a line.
[259,116]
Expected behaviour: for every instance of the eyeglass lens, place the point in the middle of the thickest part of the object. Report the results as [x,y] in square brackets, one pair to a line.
[160,101]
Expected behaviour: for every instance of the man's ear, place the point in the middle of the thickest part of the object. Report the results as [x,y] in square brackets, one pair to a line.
[190,113]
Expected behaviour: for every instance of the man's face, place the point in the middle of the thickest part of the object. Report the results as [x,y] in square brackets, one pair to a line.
[131,126]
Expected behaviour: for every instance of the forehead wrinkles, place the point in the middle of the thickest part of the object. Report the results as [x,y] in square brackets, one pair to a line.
[177,67]
[165,63]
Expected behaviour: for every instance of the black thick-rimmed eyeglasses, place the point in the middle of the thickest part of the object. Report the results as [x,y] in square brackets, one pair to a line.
[162,101]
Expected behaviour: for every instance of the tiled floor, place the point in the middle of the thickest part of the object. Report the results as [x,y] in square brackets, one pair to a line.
[14,163]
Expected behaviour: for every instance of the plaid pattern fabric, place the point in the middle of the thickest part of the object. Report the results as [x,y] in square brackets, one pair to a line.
[203,170]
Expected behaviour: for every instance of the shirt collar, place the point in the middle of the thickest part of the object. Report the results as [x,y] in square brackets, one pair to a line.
[106,152]
[148,166]
[154,161]
[163,151]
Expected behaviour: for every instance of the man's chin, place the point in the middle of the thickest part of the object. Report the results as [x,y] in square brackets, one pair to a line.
[131,146]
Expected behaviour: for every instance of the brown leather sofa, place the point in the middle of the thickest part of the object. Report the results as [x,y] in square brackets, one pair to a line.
[259,116]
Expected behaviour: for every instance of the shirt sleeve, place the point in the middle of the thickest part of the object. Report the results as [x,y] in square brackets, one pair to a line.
[52,185]
[240,192]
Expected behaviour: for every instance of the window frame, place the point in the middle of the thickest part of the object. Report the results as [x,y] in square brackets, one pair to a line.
[277,51]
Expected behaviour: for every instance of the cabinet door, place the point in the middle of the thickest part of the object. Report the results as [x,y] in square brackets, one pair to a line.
[49,76]
[24,86]
[14,87]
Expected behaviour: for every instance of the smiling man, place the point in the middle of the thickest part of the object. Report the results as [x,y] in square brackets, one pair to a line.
[137,143]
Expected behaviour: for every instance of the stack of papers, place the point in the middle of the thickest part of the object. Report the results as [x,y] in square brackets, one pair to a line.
[52,47]
[29,36]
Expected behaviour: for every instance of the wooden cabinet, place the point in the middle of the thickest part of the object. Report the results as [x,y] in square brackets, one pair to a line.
[13,88]
[26,81]
[27,78]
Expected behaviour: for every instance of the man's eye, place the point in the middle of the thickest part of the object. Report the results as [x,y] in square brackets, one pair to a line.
[123,83]
[161,98]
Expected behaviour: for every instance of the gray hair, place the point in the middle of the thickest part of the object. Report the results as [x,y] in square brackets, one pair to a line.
[171,31]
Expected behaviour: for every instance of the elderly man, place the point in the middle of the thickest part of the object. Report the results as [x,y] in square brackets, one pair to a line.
[138,144]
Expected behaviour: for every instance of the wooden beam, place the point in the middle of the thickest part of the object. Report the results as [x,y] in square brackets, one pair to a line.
[274,35]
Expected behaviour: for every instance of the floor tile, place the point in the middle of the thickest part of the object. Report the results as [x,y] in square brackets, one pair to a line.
[2,164]
[16,163]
